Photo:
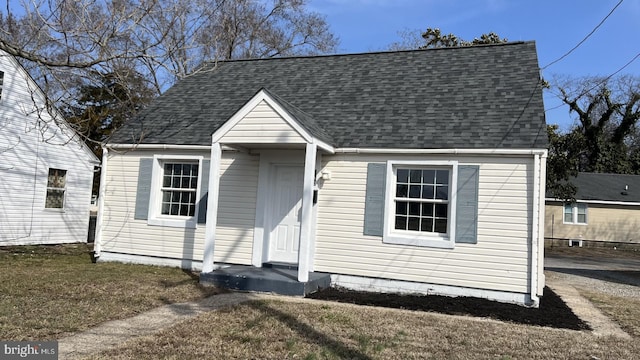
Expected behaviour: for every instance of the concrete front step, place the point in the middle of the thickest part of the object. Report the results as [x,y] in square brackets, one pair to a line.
[274,279]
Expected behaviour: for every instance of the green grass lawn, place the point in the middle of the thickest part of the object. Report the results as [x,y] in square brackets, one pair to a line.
[47,292]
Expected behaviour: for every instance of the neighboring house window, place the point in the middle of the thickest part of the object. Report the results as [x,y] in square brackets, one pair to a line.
[1,83]
[56,188]
[179,185]
[418,202]
[575,213]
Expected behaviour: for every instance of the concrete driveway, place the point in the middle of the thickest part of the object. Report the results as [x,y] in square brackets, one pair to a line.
[617,275]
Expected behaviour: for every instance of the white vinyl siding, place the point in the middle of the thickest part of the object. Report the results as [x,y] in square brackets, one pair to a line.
[24,164]
[236,208]
[499,261]
[234,236]
[262,125]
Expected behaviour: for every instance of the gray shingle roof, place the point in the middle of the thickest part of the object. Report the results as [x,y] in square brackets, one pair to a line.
[469,97]
[607,187]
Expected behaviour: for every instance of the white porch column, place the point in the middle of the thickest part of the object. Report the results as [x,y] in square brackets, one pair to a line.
[307,211]
[212,208]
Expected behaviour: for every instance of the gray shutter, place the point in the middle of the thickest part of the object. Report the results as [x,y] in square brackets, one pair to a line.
[374,201]
[204,192]
[467,204]
[145,171]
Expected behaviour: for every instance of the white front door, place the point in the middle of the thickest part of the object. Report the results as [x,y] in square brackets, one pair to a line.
[285,214]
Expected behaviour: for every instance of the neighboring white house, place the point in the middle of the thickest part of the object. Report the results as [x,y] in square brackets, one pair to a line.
[409,171]
[46,171]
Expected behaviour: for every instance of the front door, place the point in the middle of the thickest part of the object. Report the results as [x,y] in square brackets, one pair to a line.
[285,214]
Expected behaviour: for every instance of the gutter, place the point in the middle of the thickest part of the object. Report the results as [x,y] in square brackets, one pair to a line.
[97,243]
[442,151]
[601,202]
[520,152]
[159,146]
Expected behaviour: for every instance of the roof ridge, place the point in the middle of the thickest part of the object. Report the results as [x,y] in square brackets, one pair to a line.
[367,53]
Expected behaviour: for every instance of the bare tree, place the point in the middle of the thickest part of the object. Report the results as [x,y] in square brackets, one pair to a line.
[65,43]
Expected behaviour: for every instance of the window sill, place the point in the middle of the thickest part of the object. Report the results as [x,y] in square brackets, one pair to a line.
[422,241]
[571,223]
[185,223]
[55,210]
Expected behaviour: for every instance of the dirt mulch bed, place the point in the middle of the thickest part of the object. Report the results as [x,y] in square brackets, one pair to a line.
[553,312]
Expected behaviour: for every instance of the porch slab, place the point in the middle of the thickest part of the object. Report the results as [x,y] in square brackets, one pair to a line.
[277,280]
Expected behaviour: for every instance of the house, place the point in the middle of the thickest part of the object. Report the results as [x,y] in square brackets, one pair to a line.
[409,171]
[46,169]
[606,212]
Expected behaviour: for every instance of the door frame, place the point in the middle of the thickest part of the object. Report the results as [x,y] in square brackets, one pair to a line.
[269,159]
[269,221]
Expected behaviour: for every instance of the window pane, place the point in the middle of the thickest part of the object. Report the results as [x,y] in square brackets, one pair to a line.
[402,190]
[177,169]
[403,175]
[401,208]
[441,210]
[415,176]
[413,224]
[427,191]
[568,213]
[582,213]
[186,182]
[428,176]
[414,191]
[427,225]
[442,192]
[194,182]
[55,199]
[166,181]
[184,210]
[56,178]
[165,209]
[442,177]
[175,208]
[401,222]
[414,209]
[168,169]
[440,226]
[427,209]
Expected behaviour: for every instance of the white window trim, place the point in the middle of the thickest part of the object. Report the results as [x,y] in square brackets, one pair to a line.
[392,236]
[155,217]
[574,214]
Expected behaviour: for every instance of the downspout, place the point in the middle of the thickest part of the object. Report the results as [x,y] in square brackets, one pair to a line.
[97,244]
[535,299]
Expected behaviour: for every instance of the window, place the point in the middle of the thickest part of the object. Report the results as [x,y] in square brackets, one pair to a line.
[179,185]
[56,184]
[422,200]
[174,191]
[419,202]
[575,213]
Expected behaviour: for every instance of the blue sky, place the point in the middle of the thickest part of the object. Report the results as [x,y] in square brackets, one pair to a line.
[556,26]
